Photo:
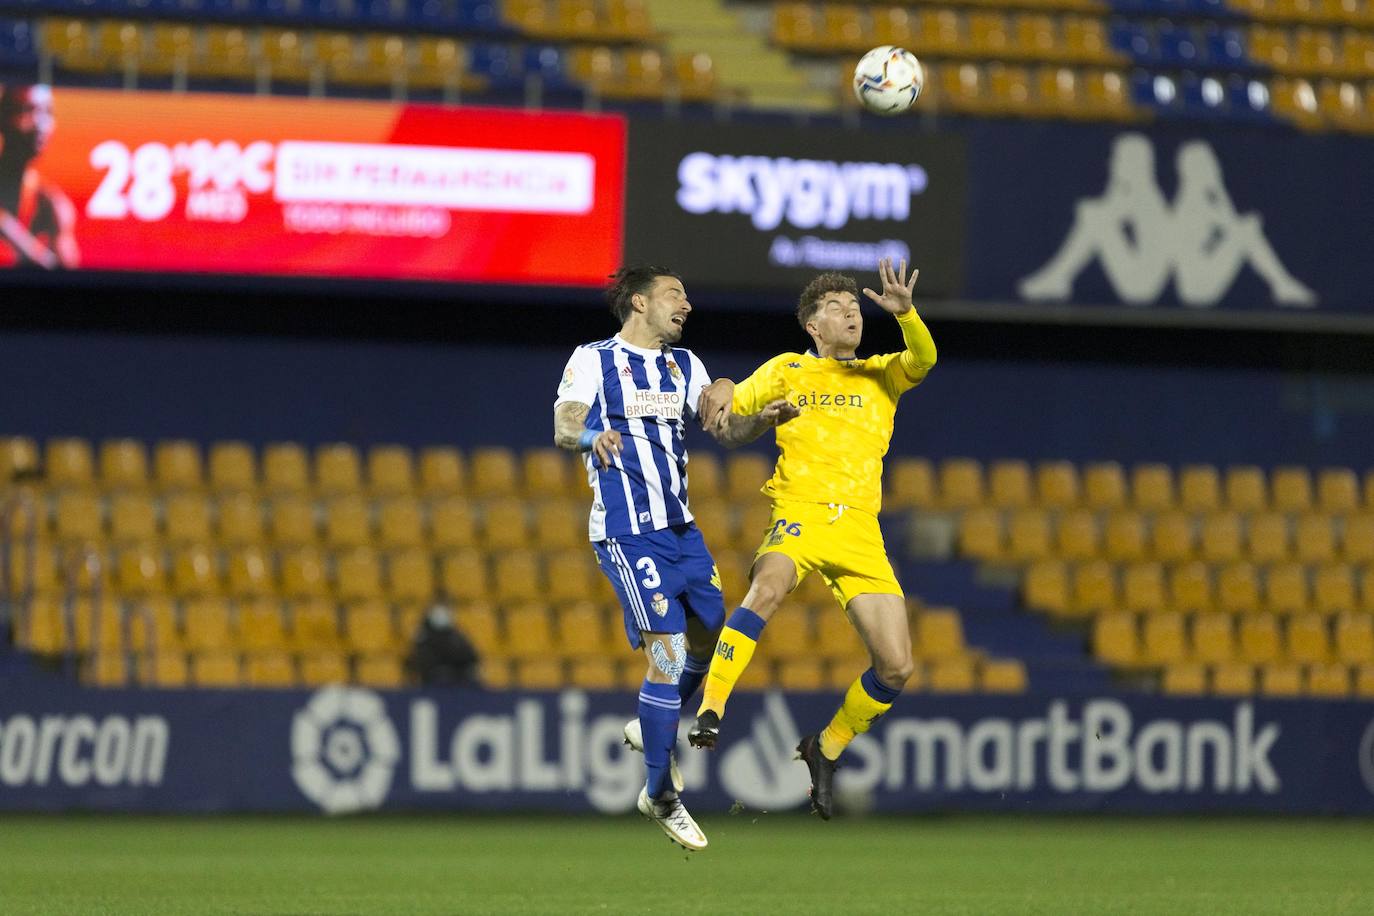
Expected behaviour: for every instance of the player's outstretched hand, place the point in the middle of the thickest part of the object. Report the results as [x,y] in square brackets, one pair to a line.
[780,411]
[897,289]
[606,447]
[714,406]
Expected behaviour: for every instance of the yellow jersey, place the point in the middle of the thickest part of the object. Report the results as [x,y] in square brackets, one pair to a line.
[833,452]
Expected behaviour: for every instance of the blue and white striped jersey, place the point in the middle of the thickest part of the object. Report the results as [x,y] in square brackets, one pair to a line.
[647,396]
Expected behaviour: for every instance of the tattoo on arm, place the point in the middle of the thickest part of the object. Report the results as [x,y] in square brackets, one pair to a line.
[740,430]
[569,420]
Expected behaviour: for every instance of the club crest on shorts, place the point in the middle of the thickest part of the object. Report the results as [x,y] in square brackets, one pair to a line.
[660,604]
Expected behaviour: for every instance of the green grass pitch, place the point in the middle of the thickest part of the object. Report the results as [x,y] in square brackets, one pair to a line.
[757,864]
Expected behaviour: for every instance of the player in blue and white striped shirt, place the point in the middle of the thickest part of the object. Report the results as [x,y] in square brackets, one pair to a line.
[624,402]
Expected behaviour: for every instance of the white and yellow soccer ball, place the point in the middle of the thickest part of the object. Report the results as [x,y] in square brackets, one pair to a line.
[888,80]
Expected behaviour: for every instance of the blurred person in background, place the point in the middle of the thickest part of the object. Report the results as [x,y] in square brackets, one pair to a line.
[441,655]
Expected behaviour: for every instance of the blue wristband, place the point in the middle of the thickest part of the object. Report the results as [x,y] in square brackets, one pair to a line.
[584,441]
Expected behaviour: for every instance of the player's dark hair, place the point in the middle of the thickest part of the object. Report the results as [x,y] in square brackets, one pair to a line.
[632,281]
[818,289]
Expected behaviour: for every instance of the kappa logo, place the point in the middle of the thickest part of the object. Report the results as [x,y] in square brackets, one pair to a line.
[1143,241]
[761,770]
[345,750]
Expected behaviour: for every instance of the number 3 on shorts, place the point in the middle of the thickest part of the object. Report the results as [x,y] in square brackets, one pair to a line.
[651,579]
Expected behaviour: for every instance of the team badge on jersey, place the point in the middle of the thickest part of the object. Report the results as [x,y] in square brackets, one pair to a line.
[673,370]
[660,604]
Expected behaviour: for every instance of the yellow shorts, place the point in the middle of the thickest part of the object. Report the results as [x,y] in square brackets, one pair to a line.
[844,545]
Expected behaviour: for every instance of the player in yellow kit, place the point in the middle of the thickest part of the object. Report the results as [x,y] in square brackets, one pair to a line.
[826,492]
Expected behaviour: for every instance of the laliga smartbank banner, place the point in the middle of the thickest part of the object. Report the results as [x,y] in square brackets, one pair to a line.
[233,184]
[342,749]
[763,207]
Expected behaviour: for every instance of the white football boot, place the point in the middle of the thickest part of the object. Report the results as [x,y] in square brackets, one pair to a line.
[672,816]
[634,737]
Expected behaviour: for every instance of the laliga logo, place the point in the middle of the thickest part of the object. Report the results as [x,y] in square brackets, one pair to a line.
[761,770]
[345,749]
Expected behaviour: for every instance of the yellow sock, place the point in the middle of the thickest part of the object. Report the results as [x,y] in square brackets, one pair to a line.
[865,700]
[734,649]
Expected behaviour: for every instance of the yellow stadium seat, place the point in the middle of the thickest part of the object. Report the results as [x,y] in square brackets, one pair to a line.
[1267,537]
[571,575]
[941,29]
[390,471]
[1028,535]
[177,466]
[186,518]
[1185,680]
[1259,638]
[380,670]
[1220,540]
[1233,679]
[250,573]
[228,54]
[1142,588]
[800,673]
[1292,489]
[1314,539]
[480,623]
[1190,588]
[1308,640]
[1046,587]
[195,571]
[169,49]
[1238,589]
[540,674]
[133,519]
[1152,487]
[123,465]
[258,625]
[339,57]
[516,577]
[980,534]
[755,523]
[164,669]
[1056,485]
[410,576]
[961,483]
[1286,590]
[1280,680]
[1057,91]
[1245,489]
[288,54]
[1357,539]
[78,516]
[400,523]
[99,624]
[1035,36]
[705,478]
[285,468]
[1213,639]
[1006,675]
[1338,491]
[442,472]
[939,634]
[319,667]
[1094,588]
[303,573]
[440,63]
[790,634]
[505,525]
[836,639]
[106,669]
[581,630]
[314,624]
[232,467]
[910,482]
[796,25]
[44,629]
[951,675]
[463,576]
[452,524]
[1171,537]
[368,627]
[627,19]
[494,472]
[546,472]
[495,674]
[1333,589]
[1327,680]
[1085,40]
[1076,535]
[348,522]
[1104,486]
[18,456]
[269,669]
[529,630]
[68,463]
[338,470]
[358,574]
[239,519]
[1162,639]
[1008,89]
[205,624]
[1104,91]
[292,520]
[593,673]
[215,668]
[1271,46]
[1124,537]
[33,568]
[562,523]
[745,473]
[1199,488]
[1314,50]
[1364,681]
[961,87]
[152,624]
[1009,484]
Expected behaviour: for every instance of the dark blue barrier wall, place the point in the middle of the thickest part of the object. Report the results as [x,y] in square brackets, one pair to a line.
[312,391]
[348,749]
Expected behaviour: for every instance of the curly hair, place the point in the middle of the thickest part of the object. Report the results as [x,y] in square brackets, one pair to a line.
[816,290]
[628,282]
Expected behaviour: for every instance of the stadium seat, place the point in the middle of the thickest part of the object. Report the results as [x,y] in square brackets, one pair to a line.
[358,574]
[505,524]
[1009,485]
[1142,587]
[1056,485]
[452,525]
[1280,680]
[205,624]
[106,669]
[1286,589]
[1259,640]
[593,673]
[68,463]
[390,471]
[755,522]
[259,626]
[303,573]
[800,673]
[228,55]
[837,639]
[1046,587]
[338,470]
[410,576]
[562,523]
[1355,638]
[379,670]
[123,465]
[1338,491]
[494,472]
[1094,588]
[442,472]
[1190,588]
[745,473]
[232,467]
[790,634]
[1308,641]
[1028,535]
[1115,639]
[1171,537]
[285,469]
[951,675]
[1267,537]
[314,624]
[1220,538]
[546,472]
[1076,535]
[319,667]
[1199,488]
[581,630]
[133,519]
[910,482]
[239,520]
[400,523]
[1184,680]
[1245,489]
[570,575]
[1233,679]
[463,576]
[1292,489]
[1213,638]
[18,455]
[1333,589]
[292,520]
[1357,539]
[250,573]
[1329,680]
[1152,487]
[186,518]
[347,523]
[153,616]
[1238,588]
[1104,486]
[516,576]
[368,627]
[164,669]
[1314,539]
[78,516]
[269,669]
[1006,675]
[961,483]
[1124,537]
[980,534]
[195,572]
[1162,639]
[33,567]
[480,623]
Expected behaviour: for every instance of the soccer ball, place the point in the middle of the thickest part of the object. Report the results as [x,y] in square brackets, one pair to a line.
[888,80]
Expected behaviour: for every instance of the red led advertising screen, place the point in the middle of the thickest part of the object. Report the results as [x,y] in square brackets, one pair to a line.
[307,187]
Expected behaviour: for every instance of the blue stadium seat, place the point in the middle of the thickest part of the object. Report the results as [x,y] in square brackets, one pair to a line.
[434,15]
[549,63]
[1154,90]
[1178,47]
[381,12]
[1202,97]
[496,62]
[478,16]
[1249,100]
[16,44]
[1133,39]
[1226,48]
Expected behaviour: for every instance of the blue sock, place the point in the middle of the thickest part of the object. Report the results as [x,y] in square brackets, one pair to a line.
[659,707]
[876,688]
[692,673]
[747,622]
